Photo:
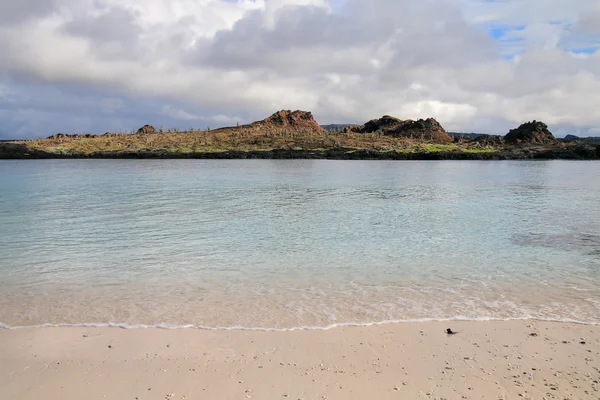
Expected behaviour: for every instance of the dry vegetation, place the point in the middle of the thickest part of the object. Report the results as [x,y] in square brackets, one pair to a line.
[295,134]
[244,138]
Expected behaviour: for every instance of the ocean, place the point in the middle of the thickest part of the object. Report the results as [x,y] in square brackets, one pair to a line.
[301,244]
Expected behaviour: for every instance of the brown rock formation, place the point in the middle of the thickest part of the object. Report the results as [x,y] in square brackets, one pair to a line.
[146,129]
[530,132]
[287,119]
[423,129]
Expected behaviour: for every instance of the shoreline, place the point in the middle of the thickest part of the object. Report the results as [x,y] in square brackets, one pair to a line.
[17,151]
[415,360]
[299,328]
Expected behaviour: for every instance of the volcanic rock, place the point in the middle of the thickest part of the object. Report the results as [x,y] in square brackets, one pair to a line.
[146,129]
[530,132]
[385,123]
[58,136]
[291,120]
[65,135]
[423,129]
[488,140]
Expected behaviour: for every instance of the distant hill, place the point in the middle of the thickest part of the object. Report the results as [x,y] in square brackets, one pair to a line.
[335,127]
[585,139]
[471,135]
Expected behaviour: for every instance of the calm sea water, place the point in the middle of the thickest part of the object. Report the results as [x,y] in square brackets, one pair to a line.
[283,244]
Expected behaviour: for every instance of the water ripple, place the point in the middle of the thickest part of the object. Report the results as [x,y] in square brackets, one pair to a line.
[284,244]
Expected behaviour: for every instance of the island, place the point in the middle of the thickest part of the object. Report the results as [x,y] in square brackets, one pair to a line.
[296,135]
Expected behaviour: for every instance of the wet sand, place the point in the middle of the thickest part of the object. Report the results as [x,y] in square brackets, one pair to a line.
[484,360]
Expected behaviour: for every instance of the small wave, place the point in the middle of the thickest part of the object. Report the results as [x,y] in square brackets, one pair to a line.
[289,329]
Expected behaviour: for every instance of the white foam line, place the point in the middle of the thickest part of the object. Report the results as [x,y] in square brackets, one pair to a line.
[290,329]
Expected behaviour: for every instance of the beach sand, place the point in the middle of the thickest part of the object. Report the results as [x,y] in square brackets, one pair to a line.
[484,360]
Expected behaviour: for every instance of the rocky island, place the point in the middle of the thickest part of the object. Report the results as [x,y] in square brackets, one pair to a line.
[295,134]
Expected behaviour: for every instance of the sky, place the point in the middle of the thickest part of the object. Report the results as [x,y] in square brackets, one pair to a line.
[92,66]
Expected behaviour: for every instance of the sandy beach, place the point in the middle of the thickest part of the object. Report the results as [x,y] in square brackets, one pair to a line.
[483,360]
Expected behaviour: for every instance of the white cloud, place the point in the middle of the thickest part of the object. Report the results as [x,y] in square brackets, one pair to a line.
[182,115]
[179,114]
[210,61]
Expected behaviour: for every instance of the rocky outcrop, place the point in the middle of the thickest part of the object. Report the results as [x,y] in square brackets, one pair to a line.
[58,136]
[428,129]
[488,140]
[146,130]
[20,151]
[534,132]
[65,135]
[386,124]
[286,119]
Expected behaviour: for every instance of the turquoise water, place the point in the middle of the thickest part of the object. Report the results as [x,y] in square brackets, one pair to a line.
[284,244]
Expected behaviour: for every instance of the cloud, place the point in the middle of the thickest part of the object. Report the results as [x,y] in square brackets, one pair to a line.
[590,19]
[182,115]
[97,65]
[113,33]
[15,12]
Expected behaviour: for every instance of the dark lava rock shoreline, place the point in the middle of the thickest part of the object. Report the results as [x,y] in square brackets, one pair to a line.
[573,151]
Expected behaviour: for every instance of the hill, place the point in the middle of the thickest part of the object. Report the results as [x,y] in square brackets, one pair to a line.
[423,129]
[465,135]
[530,132]
[335,127]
